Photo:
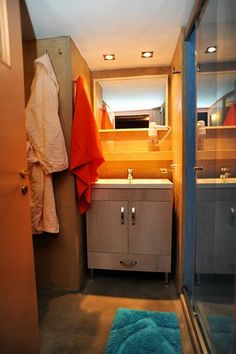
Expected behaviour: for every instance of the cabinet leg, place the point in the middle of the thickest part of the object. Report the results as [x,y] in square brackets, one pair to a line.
[166,278]
[92,273]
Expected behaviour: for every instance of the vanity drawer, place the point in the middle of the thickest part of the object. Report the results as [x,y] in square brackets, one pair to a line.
[133,194]
[130,262]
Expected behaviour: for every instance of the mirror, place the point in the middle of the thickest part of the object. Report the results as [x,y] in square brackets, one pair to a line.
[216,64]
[131,102]
[216,98]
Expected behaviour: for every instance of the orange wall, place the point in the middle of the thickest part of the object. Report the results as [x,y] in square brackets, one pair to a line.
[219,151]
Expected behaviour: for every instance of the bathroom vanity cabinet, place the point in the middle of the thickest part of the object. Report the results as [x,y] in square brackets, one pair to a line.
[216,227]
[129,226]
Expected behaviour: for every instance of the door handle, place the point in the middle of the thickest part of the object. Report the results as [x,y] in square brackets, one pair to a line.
[133,215]
[122,215]
[25,172]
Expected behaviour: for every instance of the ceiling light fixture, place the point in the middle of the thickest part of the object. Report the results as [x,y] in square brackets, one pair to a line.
[211,49]
[109,56]
[147,54]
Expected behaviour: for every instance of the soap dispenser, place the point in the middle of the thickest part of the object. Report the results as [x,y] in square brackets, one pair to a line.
[152,137]
[201,132]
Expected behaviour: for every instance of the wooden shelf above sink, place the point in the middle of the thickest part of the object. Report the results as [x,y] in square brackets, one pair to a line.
[138,156]
[229,154]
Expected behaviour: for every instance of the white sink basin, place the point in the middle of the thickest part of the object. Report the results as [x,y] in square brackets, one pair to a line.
[216,182]
[136,183]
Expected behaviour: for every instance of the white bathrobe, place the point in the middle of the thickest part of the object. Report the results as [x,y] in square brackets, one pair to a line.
[46,149]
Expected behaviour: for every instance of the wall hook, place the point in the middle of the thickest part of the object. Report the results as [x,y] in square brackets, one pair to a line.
[59,51]
[175,71]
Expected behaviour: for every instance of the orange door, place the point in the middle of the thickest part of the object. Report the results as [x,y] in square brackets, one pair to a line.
[18,306]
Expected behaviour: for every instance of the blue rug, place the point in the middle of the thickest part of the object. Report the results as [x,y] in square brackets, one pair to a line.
[144,332]
[222,332]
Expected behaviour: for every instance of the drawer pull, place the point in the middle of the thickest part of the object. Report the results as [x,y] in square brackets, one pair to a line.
[133,216]
[122,215]
[129,262]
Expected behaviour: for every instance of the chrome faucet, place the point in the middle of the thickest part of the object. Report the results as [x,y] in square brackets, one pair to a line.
[224,173]
[130,174]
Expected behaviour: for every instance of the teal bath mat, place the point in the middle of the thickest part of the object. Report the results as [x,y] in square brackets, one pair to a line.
[222,333]
[144,332]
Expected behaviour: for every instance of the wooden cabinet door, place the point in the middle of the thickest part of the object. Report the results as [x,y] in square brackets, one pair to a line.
[205,236]
[150,225]
[216,238]
[107,227]
[225,229]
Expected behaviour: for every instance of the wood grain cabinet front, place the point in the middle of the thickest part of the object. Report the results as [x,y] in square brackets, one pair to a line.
[216,231]
[130,230]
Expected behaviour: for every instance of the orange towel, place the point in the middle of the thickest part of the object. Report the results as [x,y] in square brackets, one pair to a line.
[231,116]
[86,152]
[106,123]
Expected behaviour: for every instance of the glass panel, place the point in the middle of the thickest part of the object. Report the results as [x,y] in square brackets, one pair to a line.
[215,238]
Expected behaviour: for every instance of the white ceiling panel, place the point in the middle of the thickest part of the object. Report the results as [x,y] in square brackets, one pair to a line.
[124,27]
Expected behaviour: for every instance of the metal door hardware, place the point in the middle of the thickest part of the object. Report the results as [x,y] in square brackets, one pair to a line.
[232,216]
[24,189]
[129,262]
[24,173]
[122,215]
[133,216]
[198,168]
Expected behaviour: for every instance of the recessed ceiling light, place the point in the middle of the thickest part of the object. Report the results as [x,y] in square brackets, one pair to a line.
[147,54]
[211,49]
[109,56]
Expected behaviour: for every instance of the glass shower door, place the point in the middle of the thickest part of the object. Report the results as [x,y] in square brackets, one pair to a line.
[215,235]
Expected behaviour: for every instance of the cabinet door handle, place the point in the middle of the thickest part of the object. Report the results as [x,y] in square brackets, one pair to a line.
[129,262]
[232,215]
[122,215]
[133,216]
[233,211]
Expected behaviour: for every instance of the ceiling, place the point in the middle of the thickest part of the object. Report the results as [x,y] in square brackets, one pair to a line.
[133,94]
[217,27]
[123,27]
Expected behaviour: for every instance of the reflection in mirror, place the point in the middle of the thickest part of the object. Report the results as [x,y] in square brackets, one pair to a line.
[131,102]
[216,98]
[216,78]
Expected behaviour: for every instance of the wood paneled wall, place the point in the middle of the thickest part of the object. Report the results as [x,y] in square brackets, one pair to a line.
[60,259]
[219,151]
[177,113]
[105,74]
[128,148]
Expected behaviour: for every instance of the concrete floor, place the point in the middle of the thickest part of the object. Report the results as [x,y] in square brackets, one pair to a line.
[79,323]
